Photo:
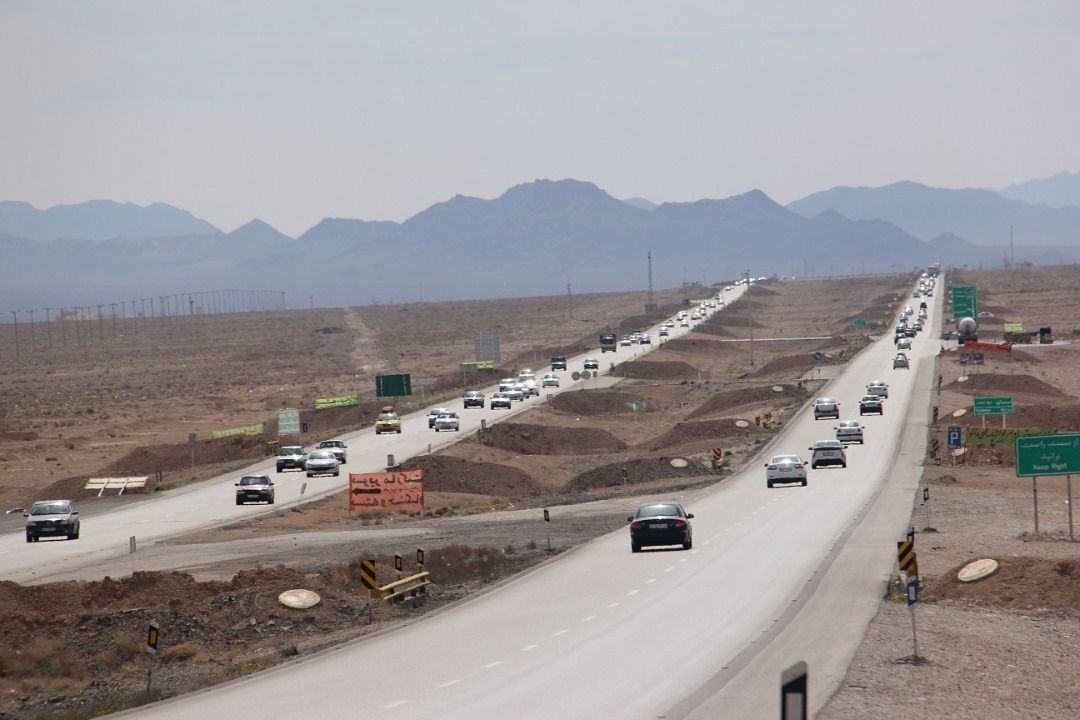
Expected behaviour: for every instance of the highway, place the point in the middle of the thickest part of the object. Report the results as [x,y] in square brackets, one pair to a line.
[210,503]
[605,633]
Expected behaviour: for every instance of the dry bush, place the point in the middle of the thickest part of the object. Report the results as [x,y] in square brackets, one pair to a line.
[182,653]
[455,564]
[42,657]
[125,648]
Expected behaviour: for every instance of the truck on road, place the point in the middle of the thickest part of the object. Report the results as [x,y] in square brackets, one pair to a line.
[609,342]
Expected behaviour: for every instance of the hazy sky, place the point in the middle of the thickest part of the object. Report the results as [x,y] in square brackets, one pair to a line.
[294,111]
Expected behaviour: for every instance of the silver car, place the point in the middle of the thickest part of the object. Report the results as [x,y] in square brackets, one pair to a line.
[785,469]
[849,431]
[447,421]
[322,462]
[52,517]
[827,452]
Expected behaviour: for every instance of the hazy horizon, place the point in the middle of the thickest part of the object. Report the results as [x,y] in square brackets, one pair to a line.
[292,112]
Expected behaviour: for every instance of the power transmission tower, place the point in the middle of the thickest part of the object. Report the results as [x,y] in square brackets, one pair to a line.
[652,305]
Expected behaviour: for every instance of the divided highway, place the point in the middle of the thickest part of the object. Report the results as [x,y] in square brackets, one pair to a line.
[210,503]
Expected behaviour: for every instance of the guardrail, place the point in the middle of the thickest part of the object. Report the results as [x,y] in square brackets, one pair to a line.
[413,587]
[121,484]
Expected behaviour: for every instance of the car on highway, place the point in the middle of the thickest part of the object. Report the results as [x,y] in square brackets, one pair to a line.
[871,404]
[387,422]
[558,362]
[501,399]
[849,431]
[785,469]
[645,339]
[663,332]
[337,447]
[290,457]
[549,380]
[473,398]
[434,412]
[826,408]
[661,523]
[322,462]
[877,387]
[592,364]
[448,421]
[52,517]
[255,488]
[903,343]
[626,341]
[514,391]
[827,452]
[530,388]
[526,374]
[901,361]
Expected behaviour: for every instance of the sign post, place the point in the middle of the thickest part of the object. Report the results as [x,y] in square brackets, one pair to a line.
[1048,455]
[547,519]
[151,650]
[912,598]
[993,405]
[793,692]
[926,504]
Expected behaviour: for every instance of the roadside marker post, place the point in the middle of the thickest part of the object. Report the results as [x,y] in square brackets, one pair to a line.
[398,564]
[793,692]
[912,599]
[152,633]
[926,504]
[368,580]
[547,519]
[131,551]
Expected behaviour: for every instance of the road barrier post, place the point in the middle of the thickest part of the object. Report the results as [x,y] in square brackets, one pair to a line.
[1068,501]
[547,519]
[793,692]
[926,504]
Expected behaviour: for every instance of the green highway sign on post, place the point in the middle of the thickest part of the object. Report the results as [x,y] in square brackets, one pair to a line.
[393,385]
[964,303]
[1048,455]
[993,405]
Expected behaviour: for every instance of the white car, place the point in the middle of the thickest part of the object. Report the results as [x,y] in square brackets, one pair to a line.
[500,399]
[663,332]
[646,340]
[785,469]
[447,421]
[877,387]
[435,413]
[322,462]
[526,374]
[515,391]
[530,388]
[827,452]
[684,323]
[849,431]
[903,343]
[549,380]
[626,341]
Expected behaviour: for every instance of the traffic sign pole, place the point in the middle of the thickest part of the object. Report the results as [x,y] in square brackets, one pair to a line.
[1068,501]
[912,598]
[1035,501]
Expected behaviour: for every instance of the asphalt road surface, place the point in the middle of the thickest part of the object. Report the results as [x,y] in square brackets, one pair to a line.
[210,503]
[603,633]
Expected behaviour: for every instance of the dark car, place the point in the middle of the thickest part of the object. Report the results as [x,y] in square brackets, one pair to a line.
[558,362]
[291,457]
[871,404]
[52,517]
[664,523]
[255,488]
[474,398]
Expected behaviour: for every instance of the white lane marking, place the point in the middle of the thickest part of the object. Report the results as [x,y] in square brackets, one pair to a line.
[448,683]
[650,581]
[632,592]
[396,703]
[695,552]
[527,648]
[588,618]
[612,606]
[669,568]
[707,542]
[493,664]
[559,632]
[682,560]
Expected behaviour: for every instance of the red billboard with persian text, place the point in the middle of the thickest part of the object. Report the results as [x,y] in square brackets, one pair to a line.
[392,491]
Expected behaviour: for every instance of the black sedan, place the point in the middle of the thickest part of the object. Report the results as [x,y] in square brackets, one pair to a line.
[663,523]
[255,488]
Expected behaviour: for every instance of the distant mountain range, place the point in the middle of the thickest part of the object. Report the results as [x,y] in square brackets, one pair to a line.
[981,217]
[1061,190]
[534,239]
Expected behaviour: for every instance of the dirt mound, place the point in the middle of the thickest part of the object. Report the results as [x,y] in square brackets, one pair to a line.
[1021,583]
[656,370]
[600,402]
[699,346]
[689,432]
[759,290]
[147,459]
[633,471]
[723,402]
[980,382]
[709,328]
[450,474]
[526,439]
[1054,418]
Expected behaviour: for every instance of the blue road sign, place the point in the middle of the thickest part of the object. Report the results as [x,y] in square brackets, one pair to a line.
[912,591]
[954,437]
[818,357]
[873,326]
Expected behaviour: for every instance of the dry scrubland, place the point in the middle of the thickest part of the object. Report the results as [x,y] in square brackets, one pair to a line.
[1003,648]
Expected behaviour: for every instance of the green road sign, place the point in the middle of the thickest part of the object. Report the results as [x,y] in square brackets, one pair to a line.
[1048,455]
[288,422]
[964,303]
[244,430]
[859,322]
[993,405]
[1013,327]
[393,385]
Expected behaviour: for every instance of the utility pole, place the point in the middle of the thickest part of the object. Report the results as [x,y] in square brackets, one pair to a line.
[15,325]
[651,303]
[32,339]
[569,302]
[1012,252]
[48,330]
[750,315]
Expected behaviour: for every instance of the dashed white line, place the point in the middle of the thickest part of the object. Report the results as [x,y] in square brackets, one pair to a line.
[396,703]
[588,618]
[707,542]
[493,664]
[612,606]
[527,648]
[650,581]
[682,560]
[632,592]
[557,633]
[669,568]
[449,683]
